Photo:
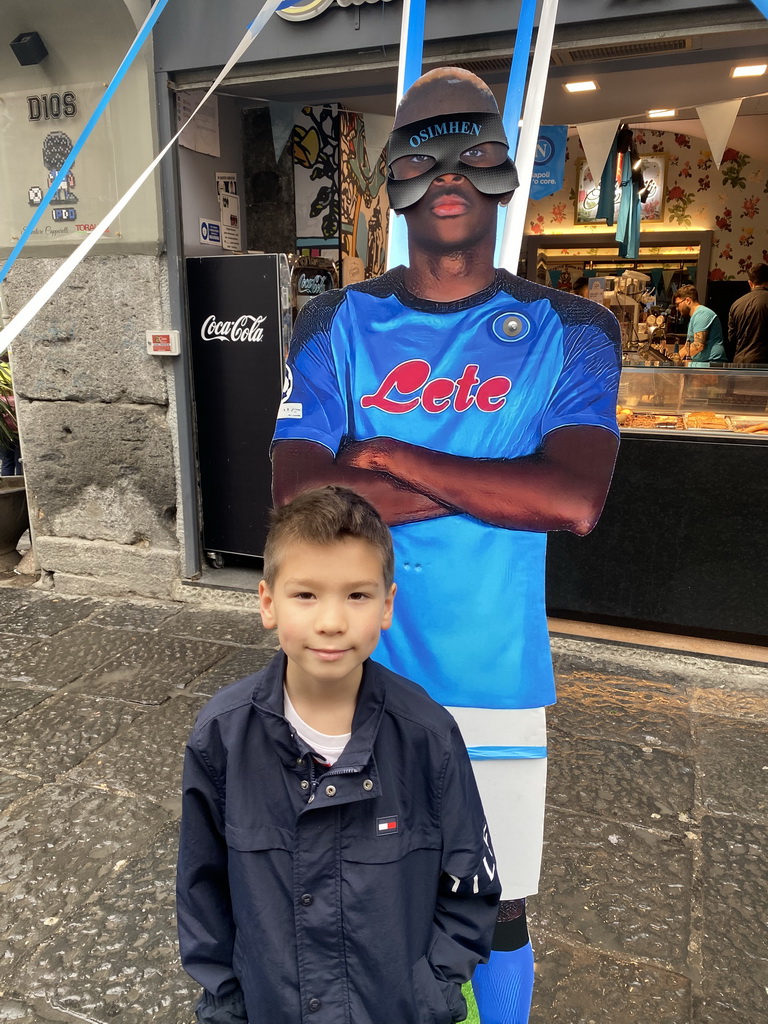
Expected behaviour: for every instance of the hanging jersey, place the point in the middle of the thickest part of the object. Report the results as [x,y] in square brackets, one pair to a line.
[485,377]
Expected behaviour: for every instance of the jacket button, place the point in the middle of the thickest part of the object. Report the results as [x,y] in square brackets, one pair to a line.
[314,1005]
[299,761]
[306,900]
[304,784]
[330,790]
[368,785]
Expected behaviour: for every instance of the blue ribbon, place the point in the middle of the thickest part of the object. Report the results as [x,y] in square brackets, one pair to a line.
[505,753]
[513,103]
[100,108]
[414,47]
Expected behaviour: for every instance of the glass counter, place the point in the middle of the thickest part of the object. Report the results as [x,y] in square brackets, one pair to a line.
[725,401]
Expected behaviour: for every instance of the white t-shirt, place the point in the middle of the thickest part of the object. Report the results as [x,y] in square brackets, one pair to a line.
[329,747]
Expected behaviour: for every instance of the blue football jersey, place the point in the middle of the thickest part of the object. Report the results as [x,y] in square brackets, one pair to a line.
[483,377]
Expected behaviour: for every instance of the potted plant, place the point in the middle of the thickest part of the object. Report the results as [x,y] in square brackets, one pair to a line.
[14,518]
[8,427]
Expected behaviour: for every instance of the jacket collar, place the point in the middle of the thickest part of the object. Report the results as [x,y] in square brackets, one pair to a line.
[268,698]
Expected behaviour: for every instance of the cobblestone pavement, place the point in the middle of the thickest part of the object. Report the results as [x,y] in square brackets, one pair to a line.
[653,902]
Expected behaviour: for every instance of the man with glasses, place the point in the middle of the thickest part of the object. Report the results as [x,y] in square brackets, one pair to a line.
[704,344]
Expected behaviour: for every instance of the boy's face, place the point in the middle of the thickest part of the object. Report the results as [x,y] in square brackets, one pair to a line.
[329,605]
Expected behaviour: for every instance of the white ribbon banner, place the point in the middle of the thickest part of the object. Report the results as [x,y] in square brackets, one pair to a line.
[36,303]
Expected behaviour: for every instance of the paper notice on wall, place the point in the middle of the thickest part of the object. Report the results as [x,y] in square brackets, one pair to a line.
[231,236]
[203,134]
[226,181]
[209,232]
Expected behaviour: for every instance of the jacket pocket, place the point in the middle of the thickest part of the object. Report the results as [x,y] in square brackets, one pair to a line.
[258,837]
[437,1002]
[385,849]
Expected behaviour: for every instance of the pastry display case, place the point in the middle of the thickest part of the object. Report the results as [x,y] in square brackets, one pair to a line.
[681,545]
[687,401]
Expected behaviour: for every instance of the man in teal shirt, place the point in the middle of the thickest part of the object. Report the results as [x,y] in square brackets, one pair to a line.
[704,344]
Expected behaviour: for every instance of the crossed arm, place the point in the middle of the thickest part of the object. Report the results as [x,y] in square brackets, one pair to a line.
[562,486]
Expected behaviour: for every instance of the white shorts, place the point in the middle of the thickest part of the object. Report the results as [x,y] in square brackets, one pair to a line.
[508,749]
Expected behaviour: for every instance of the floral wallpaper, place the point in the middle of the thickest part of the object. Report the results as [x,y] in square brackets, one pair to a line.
[731,200]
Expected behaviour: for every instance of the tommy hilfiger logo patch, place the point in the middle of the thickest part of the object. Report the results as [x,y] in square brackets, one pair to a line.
[386,826]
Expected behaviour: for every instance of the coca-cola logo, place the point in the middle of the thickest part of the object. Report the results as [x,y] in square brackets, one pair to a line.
[410,385]
[245,328]
[312,285]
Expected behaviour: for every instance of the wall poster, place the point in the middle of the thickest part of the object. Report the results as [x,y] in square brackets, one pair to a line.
[315,143]
[654,166]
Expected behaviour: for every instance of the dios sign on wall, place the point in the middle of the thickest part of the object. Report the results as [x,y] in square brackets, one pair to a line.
[37,133]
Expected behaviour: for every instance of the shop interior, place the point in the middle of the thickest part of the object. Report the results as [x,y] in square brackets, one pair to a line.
[301,149]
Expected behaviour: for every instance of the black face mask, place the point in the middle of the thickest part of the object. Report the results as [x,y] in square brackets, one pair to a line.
[424,150]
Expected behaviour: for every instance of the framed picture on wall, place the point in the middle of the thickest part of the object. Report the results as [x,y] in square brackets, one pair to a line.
[654,167]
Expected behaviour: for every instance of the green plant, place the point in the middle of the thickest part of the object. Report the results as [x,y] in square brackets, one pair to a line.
[8,427]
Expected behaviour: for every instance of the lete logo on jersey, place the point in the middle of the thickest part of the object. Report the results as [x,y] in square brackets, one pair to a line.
[437,394]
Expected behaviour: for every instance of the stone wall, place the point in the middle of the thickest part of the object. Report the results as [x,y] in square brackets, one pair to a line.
[97,437]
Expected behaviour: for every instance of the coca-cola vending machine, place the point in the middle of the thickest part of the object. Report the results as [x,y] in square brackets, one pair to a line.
[240,326]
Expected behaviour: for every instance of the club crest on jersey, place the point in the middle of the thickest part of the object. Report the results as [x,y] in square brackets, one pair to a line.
[511,327]
[410,385]
[386,826]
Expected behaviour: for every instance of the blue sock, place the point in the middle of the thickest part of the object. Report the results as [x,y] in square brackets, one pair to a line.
[504,986]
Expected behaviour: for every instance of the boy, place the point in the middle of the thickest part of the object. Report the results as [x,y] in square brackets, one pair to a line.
[334,863]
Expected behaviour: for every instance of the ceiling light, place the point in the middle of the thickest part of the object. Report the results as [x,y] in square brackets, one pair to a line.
[662,113]
[580,86]
[749,71]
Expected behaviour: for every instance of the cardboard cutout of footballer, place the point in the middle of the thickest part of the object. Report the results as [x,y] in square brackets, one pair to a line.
[476,411]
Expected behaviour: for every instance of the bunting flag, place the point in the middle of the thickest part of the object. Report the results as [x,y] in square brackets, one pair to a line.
[512,238]
[554,277]
[657,276]
[597,141]
[283,118]
[666,276]
[57,279]
[762,6]
[717,120]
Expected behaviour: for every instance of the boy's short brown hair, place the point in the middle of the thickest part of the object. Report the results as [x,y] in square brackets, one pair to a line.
[325,515]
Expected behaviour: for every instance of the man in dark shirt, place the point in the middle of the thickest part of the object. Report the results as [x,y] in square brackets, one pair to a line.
[748,320]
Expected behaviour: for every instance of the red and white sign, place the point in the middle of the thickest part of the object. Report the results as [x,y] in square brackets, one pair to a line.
[163,343]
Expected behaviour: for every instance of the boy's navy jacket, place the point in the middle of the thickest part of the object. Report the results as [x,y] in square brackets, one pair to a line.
[363,893]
